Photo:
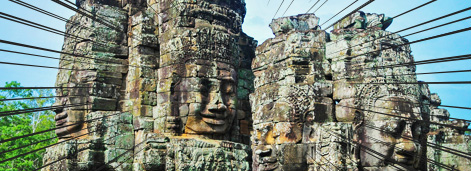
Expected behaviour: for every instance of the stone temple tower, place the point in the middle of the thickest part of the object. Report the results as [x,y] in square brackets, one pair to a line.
[177,85]
[157,85]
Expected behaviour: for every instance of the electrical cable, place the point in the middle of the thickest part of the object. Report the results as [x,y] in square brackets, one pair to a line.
[349,14]
[312,6]
[42,66]
[52,129]
[29,98]
[87,15]
[288,8]
[19,2]
[39,109]
[50,50]
[121,155]
[36,88]
[37,142]
[55,58]
[428,29]
[320,6]
[339,12]
[65,157]
[278,9]
[411,27]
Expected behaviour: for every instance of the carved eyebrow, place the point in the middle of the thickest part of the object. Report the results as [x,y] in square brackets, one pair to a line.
[228,79]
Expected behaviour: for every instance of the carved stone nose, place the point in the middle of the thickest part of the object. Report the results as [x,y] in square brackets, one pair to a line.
[407,148]
[217,108]
[406,145]
[216,105]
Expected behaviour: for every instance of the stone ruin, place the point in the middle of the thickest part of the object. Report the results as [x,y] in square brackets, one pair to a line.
[177,85]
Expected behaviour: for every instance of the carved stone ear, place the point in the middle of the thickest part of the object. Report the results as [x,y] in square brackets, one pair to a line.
[358,120]
[234,74]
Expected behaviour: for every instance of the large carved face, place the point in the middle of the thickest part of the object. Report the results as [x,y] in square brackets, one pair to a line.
[217,107]
[62,120]
[276,138]
[389,134]
[265,154]
[71,118]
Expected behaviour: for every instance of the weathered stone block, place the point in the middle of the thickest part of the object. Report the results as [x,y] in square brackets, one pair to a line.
[125,141]
[143,123]
[162,110]
[343,90]
[99,103]
[294,23]
[345,110]
[327,132]
[356,20]
[145,110]
[148,85]
[323,110]
[293,154]
[337,49]
[118,156]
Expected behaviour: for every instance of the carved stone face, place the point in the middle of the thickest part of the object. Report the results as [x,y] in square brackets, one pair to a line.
[389,134]
[265,157]
[73,116]
[276,139]
[217,108]
[62,119]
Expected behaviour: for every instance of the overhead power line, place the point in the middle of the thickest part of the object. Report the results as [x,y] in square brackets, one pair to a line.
[312,6]
[53,129]
[320,6]
[339,12]
[288,7]
[352,12]
[36,88]
[39,109]
[278,8]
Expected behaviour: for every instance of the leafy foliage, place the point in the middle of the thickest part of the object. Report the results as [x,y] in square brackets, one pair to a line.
[23,124]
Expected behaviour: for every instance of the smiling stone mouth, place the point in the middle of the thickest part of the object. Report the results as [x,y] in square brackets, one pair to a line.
[214,121]
[404,159]
[61,122]
[214,118]
[268,166]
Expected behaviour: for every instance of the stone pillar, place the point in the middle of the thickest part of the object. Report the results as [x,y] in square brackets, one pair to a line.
[292,104]
[202,85]
[366,61]
[447,143]
[97,58]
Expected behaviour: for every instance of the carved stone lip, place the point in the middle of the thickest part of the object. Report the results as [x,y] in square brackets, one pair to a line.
[214,121]
[260,151]
[219,116]
[60,122]
[268,166]
[404,159]
[268,160]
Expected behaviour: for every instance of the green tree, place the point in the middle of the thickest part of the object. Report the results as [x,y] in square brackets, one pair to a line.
[22,124]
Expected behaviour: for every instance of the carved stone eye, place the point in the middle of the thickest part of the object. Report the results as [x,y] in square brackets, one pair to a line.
[227,87]
[394,128]
[416,129]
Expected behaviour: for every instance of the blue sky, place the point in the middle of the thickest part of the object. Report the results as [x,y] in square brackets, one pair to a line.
[259,15]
